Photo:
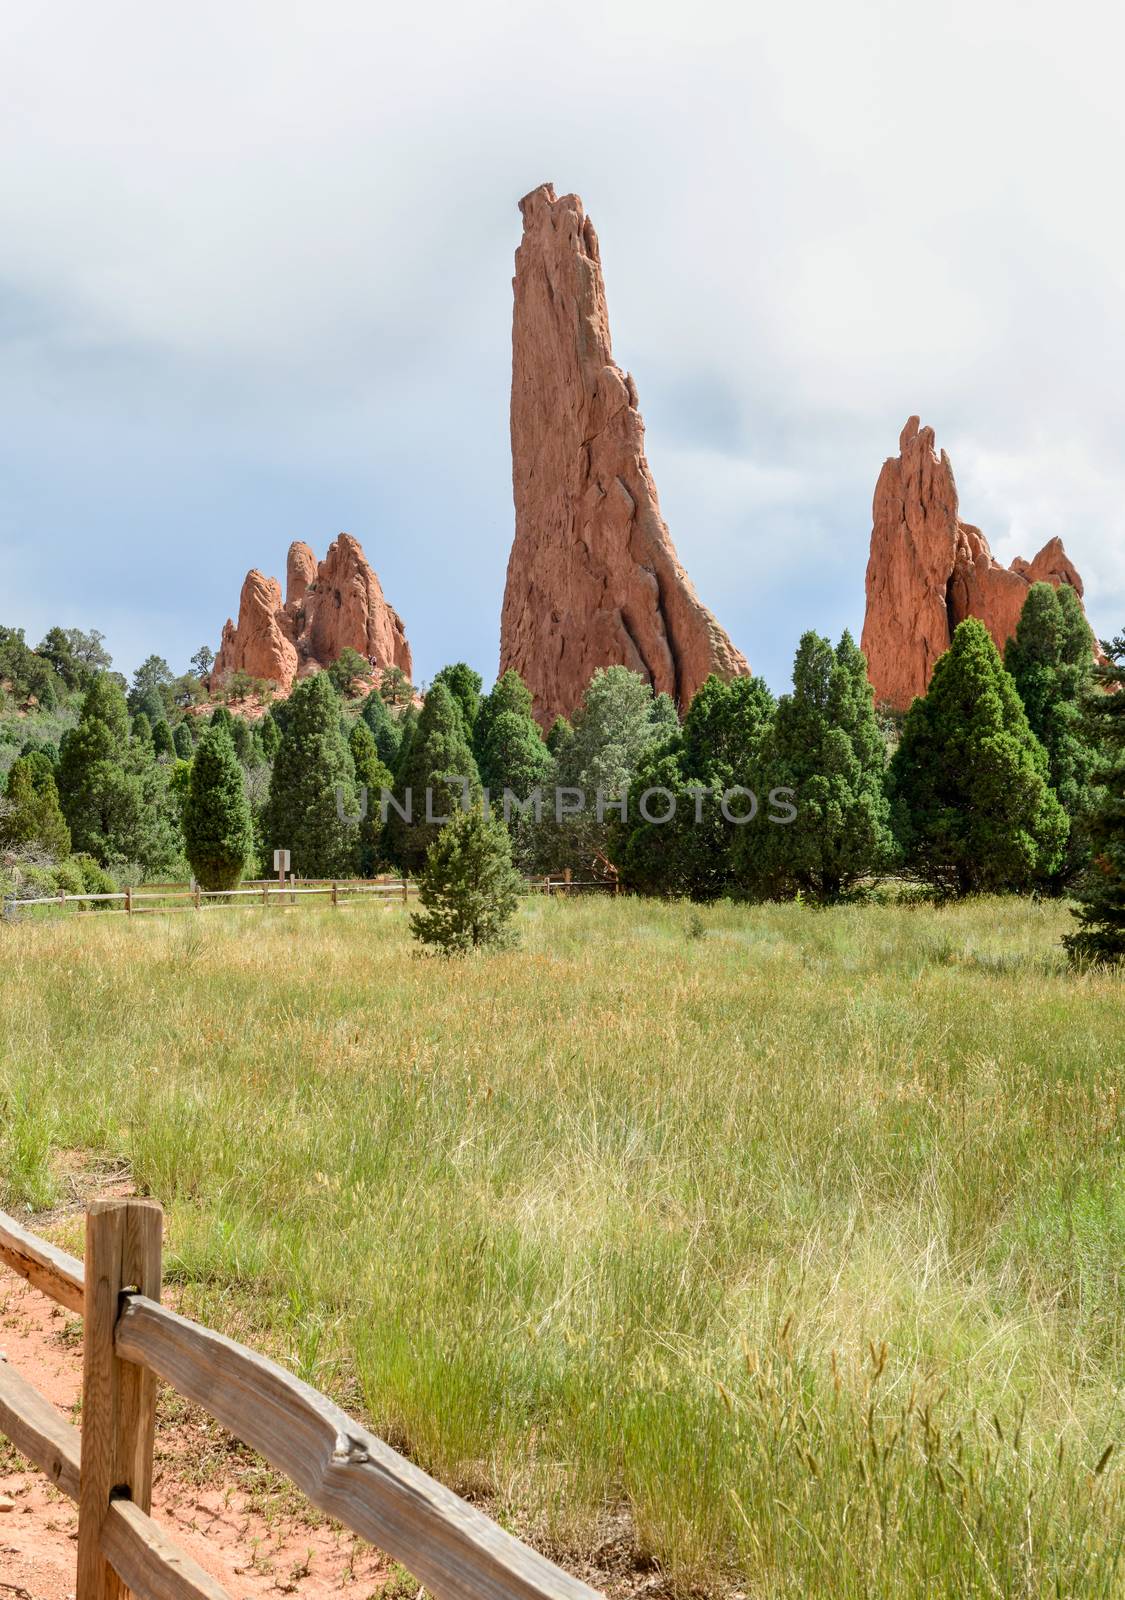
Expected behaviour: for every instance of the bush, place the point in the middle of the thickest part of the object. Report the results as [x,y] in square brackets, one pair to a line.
[469,889]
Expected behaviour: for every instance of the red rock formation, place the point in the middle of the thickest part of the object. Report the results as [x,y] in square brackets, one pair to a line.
[928,571]
[593,577]
[328,608]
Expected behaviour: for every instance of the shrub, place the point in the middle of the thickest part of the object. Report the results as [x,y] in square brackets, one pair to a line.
[469,889]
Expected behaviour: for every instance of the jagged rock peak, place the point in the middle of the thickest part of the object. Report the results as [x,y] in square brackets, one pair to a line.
[928,571]
[329,607]
[593,577]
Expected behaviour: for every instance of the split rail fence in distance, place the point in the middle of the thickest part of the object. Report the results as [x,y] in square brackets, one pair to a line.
[130,1340]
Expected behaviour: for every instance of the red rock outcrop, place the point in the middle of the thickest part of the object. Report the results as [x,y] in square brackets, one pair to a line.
[329,607]
[928,571]
[593,577]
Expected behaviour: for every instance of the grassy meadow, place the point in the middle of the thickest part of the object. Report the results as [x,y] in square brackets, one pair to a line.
[779,1249]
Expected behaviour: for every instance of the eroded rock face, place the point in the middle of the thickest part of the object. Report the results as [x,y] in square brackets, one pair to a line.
[593,577]
[329,607]
[928,571]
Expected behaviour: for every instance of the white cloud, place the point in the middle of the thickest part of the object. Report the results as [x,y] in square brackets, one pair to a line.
[255,282]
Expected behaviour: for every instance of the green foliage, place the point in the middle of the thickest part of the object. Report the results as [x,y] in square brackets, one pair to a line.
[387,732]
[1051,660]
[1100,937]
[826,747]
[218,835]
[163,740]
[221,718]
[464,685]
[202,661]
[619,721]
[973,807]
[373,776]
[95,879]
[30,675]
[347,670]
[77,657]
[509,748]
[395,687]
[150,689]
[718,749]
[312,763]
[142,729]
[469,889]
[181,741]
[30,812]
[558,733]
[438,750]
[270,733]
[112,789]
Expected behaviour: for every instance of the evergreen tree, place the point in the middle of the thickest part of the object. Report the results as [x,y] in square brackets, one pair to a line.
[163,741]
[387,732]
[42,768]
[973,807]
[270,734]
[181,740]
[148,692]
[1101,910]
[718,750]
[312,764]
[142,729]
[508,746]
[619,721]
[464,685]
[825,746]
[438,750]
[1051,659]
[395,686]
[218,834]
[30,813]
[469,889]
[242,737]
[407,727]
[558,733]
[370,775]
[222,718]
[347,670]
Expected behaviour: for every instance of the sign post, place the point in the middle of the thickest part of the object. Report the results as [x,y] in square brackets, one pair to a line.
[281,864]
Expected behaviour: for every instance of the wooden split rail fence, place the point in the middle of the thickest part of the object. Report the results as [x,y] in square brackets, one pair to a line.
[254,895]
[131,1340]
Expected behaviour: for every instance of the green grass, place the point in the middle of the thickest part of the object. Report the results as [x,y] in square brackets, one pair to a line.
[790,1241]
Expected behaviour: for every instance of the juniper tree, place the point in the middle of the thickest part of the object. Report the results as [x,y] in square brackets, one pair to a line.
[217,827]
[1051,660]
[373,777]
[973,805]
[468,889]
[825,746]
[1101,910]
[464,685]
[313,779]
[30,813]
[163,740]
[437,773]
[181,739]
[717,750]
[509,748]
[387,732]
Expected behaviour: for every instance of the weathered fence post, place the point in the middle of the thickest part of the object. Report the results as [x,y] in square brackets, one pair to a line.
[123,1249]
[335,898]
[128,900]
[405,888]
[195,895]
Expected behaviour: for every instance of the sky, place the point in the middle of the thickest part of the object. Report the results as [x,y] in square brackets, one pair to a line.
[255,285]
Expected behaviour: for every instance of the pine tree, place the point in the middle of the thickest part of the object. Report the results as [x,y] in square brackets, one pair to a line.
[370,775]
[271,736]
[112,790]
[387,732]
[218,833]
[312,779]
[464,685]
[30,813]
[163,741]
[181,739]
[508,746]
[1051,659]
[1101,909]
[469,889]
[973,807]
[438,750]
[826,747]
[717,750]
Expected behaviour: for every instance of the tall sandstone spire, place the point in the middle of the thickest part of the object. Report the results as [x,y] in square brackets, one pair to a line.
[928,571]
[593,577]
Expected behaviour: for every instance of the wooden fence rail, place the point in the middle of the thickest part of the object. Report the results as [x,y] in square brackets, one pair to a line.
[130,1340]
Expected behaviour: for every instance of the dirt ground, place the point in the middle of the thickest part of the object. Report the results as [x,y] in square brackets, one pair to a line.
[215,1498]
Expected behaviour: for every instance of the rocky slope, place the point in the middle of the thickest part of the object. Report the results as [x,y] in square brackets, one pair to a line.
[928,571]
[328,607]
[593,577]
